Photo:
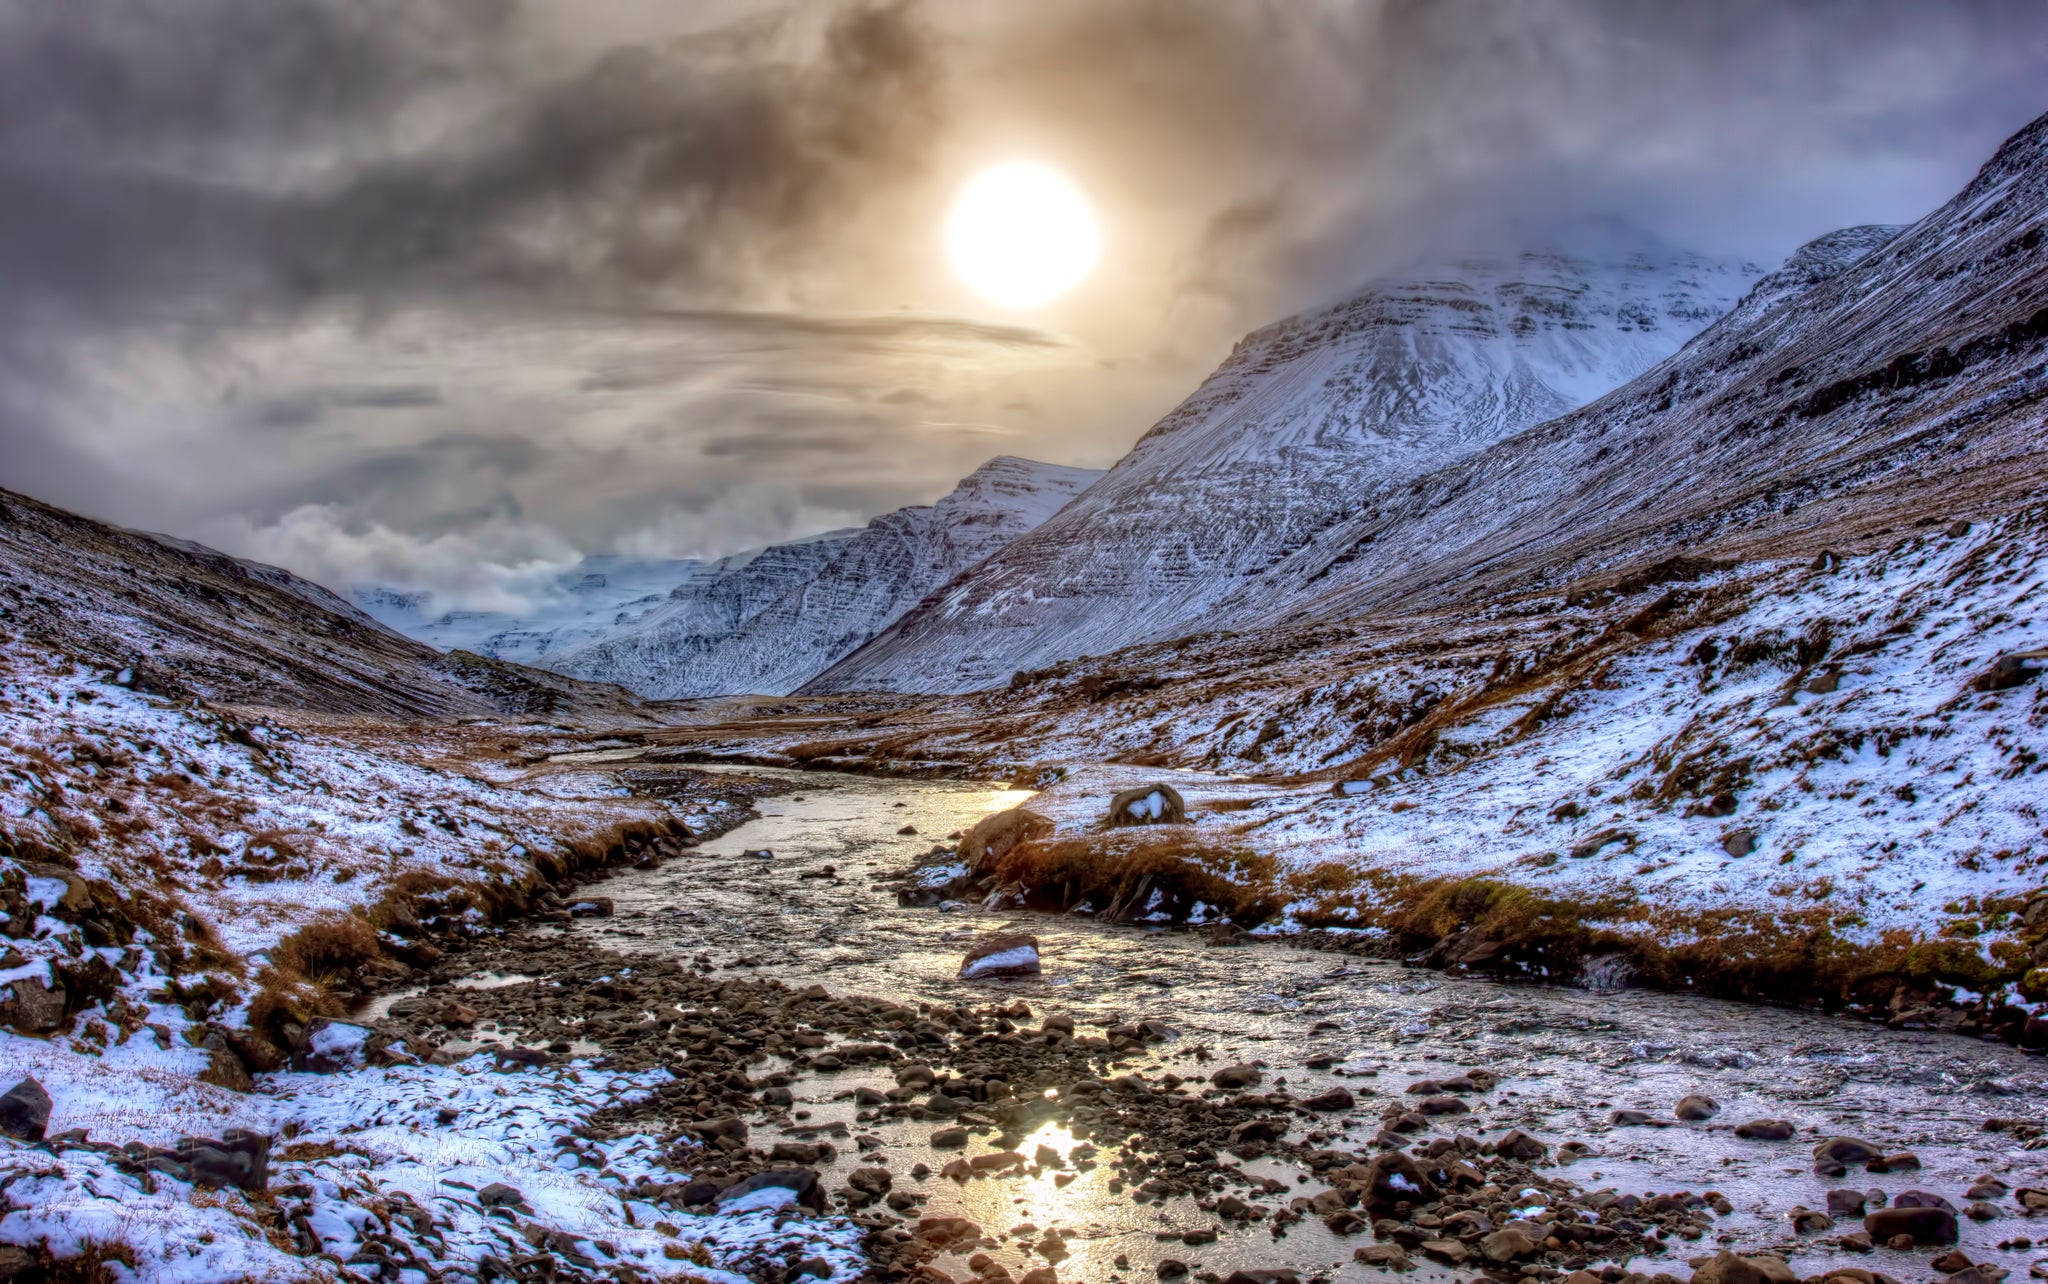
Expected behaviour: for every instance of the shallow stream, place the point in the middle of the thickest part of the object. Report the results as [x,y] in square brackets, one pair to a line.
[1567,1057]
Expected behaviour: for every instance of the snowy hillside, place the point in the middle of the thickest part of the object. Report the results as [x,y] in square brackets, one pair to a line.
[1309,422]
[597,595]
[183,619]
[765,622]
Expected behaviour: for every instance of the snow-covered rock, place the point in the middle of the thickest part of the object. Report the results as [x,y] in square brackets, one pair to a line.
[1307,423]
[765,622]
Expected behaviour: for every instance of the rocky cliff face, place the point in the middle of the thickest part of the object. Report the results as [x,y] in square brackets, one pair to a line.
[1309,423]
[765,622]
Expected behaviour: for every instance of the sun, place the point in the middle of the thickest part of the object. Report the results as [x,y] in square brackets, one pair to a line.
[1022,235]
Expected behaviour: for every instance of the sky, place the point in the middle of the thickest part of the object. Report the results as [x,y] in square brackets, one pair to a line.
[444,294]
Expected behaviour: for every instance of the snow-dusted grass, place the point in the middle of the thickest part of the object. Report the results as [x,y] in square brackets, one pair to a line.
[392,1155]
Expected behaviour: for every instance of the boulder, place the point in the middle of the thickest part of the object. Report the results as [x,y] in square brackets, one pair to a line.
[774,1189]
[1393,1177]
[331,1046]
[1518,1145]
[25,1111]
[1325,1102]
[500,1195]
[1696,1107]
[1738,842]
[1921,1225]
[1006,954]
[2011,670]
[1154,804]
[1765,1130]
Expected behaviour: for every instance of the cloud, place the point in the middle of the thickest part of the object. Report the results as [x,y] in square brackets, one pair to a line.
[496,564]
[395,283]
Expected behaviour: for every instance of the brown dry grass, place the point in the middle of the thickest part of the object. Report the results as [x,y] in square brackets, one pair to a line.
[1106,868]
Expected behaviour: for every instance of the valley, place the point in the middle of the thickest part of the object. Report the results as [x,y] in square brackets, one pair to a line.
[1532,773]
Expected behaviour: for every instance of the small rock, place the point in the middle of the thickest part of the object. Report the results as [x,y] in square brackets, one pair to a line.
[1918,1225]
[906,830]
[1389,1257]
[25,1111]
[1264,1275]
[1696,1107]
[1766,1130]
[1508,1244]
[1007,954]
[592,907]
[1846,1203]
[1234,1078]
[1325,1102]
[1738,842]
[948,1138]
[499,1195]
[1519,1145]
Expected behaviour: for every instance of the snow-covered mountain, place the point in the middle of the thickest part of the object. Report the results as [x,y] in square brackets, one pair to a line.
[594,597]
[764,622]
[1306,425]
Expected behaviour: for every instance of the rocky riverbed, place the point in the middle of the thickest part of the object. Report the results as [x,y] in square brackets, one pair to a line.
[1151,1104]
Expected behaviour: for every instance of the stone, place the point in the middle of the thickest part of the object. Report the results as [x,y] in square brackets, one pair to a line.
[1325,1102]
[1840,1152]
[1171,1268]
[2011,670]
[809,1191]
[1393,1177]
[500,1195]
[1388,1257]
[16,1264]
[1766,1130]
[33,1007]
[1919,1225]
[1153,804]
[1726,1267]
[591,907]
[1448,1251]
[331,1046]
[1442,1106]
[948,1138]
[1508,1244]
[1695,1108]
[1258,1130]
[1738,842]
[1005,954]
[1846,1203]
[1264,1275]
[25,1111]
[1234,1078]
[1519,1145]
[1921,1199]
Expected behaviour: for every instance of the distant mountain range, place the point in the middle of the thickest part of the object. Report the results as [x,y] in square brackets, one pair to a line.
[759,622]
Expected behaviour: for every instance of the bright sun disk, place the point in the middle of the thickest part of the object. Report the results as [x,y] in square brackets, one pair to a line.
[1021,235]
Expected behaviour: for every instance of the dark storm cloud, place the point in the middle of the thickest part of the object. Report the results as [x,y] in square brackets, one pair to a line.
[222,222]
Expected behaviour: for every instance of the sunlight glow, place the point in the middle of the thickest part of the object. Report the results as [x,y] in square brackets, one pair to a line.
[1021,235]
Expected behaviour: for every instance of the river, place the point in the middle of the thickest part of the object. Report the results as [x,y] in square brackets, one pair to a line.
[1567,1057]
